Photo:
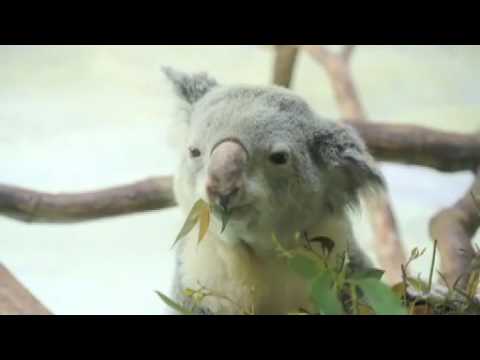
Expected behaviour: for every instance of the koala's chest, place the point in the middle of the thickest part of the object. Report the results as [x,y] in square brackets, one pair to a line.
[241,282]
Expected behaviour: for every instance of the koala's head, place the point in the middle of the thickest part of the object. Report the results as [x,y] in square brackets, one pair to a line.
[263,154]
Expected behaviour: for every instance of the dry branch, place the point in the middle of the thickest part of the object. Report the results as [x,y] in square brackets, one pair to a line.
[388,245]
[285,58]
[15,299]
[33,206]
[454,228]
[416,145]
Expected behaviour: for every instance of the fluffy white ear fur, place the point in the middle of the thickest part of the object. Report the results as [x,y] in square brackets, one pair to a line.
[188,89]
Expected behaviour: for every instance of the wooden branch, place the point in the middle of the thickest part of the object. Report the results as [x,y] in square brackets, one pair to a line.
[318,52]
[416,145]
[454,228]
[32,206]
[388,244]
[15,299]
[338,70]
[347,52]
[285,59]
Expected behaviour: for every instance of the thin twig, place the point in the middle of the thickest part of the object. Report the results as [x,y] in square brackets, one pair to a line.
[432,266]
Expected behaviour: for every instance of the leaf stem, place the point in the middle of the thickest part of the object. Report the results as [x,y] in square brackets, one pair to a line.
[432,266]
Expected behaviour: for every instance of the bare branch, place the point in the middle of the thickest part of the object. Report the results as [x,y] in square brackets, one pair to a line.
[416,145]
[323,55]
[15,299]
[318,52]
[33,206]
[285,59]
[347,52]
[454,228]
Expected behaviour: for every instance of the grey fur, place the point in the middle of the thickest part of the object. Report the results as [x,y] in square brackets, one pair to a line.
[329,164]
[340,150]
[190,87]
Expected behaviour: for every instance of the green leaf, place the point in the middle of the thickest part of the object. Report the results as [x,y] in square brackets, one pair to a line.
[324,295]
[223,215]
[305,264]
[173,304]
[225,219]
[279,247]
[365,310]
[204,220]
[399,290]
[473,284]
[368,274]
[381,298]
[192,220]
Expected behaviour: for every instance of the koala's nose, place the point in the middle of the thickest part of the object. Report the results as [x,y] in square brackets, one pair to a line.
[225,179]
[224,191]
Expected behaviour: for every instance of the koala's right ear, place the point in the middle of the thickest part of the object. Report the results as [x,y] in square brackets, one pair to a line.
[339,149]
[190,88]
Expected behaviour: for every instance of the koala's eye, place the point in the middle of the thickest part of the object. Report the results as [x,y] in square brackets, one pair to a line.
[194,152]
[279,158]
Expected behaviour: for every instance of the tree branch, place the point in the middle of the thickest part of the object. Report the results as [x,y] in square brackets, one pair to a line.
[15,299]
[454,228]
[318,52]
[285,59]
[416,145]
[347,52]
[32,206]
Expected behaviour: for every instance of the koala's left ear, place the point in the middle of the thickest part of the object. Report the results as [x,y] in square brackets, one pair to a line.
[339,148]
[190,88]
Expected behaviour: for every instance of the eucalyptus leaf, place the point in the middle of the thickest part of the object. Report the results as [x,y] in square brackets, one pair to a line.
[225,219]
[399,290]
[204,220]
[381,298]
[368,274]
[305,264]
[173,304]
[365,310]
[324,295]
[192,220]
[473,284]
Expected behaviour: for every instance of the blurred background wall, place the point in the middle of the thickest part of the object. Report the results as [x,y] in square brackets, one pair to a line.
[76,118]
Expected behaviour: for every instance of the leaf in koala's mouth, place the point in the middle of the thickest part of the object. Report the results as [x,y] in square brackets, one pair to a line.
[226,215]
[204,220]
[200,213]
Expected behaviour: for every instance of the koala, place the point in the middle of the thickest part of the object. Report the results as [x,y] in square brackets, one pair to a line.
[261,153]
